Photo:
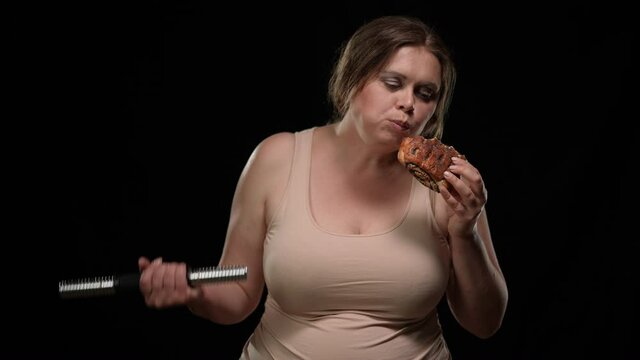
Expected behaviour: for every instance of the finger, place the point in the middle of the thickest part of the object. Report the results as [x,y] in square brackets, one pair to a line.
[169,278]
[455,183]
[181,278]
[143,263]
[157,280]
[145,280]
[466,196]
[469,175]
[449,197]
[462,161]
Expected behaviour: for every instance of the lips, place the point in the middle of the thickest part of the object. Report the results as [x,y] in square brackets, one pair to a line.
[403,124]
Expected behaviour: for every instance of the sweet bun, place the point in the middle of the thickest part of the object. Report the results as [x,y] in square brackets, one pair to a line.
[427,160]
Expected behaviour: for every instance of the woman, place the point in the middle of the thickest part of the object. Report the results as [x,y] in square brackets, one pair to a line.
[354,251]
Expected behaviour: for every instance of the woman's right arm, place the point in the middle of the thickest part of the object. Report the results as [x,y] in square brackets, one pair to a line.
[263,180]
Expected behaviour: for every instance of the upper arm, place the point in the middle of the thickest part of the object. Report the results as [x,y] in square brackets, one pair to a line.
[263,178]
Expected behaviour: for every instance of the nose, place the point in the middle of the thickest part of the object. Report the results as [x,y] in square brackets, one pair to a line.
[406,100]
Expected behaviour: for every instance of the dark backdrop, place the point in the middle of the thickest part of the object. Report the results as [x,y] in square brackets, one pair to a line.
[138,120]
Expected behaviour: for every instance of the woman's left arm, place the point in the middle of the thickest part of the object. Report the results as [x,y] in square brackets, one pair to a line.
[477,291]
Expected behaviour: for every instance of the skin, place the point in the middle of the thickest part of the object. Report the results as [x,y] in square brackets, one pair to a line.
[354,165]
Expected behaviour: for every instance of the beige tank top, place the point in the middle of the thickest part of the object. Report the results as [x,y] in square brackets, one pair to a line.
[336,296]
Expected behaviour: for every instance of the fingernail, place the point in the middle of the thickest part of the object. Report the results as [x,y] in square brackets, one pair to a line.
[446,173]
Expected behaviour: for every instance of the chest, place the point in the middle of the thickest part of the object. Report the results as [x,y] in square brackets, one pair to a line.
[401,274]
[352,205]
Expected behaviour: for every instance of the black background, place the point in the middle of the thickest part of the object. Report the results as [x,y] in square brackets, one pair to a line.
[136,120]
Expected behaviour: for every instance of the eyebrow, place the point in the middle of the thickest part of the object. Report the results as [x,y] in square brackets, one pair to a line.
[403,77]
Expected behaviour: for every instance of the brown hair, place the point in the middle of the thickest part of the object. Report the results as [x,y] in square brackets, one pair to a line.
[371,47]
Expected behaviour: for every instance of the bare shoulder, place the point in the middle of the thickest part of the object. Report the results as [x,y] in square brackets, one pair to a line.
[276,145]
[273,152]
[266,174]
[269,163]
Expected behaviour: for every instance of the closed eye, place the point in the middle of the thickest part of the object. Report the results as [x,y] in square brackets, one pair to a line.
[427,93]
[392,85]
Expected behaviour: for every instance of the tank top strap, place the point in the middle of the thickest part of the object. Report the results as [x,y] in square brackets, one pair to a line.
[292,204]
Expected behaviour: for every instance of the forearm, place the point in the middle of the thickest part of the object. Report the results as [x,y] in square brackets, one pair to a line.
[222,303]
[478,292]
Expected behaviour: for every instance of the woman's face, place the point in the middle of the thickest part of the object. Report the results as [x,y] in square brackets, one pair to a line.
[398,101]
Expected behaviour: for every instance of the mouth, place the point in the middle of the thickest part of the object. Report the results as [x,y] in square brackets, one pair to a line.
[403,125]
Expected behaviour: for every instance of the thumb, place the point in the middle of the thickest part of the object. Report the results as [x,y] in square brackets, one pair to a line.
[143,263]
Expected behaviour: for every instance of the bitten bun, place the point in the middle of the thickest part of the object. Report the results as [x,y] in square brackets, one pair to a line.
[427,160]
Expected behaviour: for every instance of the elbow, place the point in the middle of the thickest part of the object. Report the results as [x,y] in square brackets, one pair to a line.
[487,330]
[226,318]
[232,316]
[225,310]
[488,320]
[492,321]
[235,316]
[485,335]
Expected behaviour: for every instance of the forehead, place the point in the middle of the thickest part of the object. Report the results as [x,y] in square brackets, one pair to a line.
[415,63]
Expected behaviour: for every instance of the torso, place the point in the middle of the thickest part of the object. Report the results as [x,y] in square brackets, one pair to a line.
[330,271]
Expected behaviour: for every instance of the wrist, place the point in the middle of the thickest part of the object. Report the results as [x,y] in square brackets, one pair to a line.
[465,234]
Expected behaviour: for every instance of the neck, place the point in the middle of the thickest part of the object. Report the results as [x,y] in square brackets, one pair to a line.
[356,155]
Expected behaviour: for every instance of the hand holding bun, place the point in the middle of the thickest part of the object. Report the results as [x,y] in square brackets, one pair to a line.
[427,160]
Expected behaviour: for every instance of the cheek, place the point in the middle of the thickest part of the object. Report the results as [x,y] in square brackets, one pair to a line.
[426,111]
[370,102]
[424,114]
[369,97]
